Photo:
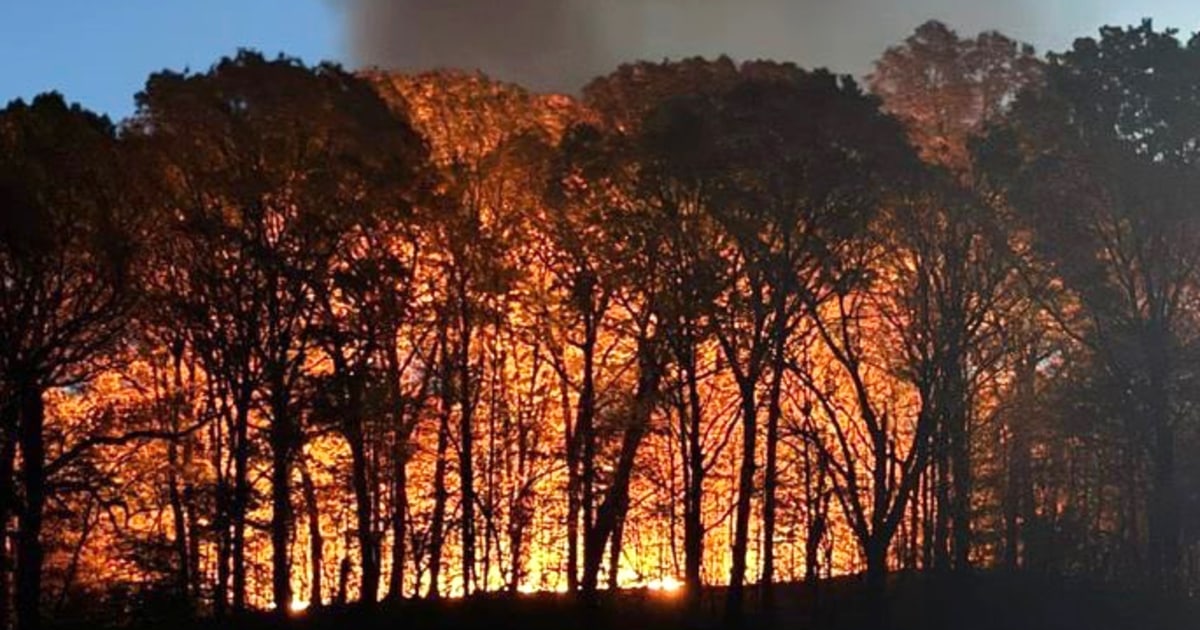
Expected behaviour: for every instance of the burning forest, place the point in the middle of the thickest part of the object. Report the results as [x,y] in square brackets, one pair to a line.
[292,337]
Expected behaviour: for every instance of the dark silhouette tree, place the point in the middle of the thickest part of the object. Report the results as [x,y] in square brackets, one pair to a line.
[601,225]
[270,191]
[947,90]
[68,246]
[785,163]
[1101,162]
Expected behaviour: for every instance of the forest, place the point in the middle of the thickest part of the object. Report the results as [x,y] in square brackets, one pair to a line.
[294,337]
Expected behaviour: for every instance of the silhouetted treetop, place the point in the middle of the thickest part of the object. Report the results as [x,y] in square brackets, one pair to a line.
[946,89]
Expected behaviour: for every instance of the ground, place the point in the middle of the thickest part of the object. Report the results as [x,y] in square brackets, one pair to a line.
[984,602]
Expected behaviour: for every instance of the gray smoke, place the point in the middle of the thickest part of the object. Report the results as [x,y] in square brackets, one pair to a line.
[561,44]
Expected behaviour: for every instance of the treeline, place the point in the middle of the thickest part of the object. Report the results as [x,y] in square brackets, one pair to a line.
[291,336]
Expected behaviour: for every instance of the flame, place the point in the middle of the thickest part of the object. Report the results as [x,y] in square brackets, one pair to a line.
[666,585]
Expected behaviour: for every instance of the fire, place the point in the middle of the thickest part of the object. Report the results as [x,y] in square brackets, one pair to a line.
[666,585]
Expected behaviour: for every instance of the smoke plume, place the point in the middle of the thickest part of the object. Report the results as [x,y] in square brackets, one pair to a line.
[560,44]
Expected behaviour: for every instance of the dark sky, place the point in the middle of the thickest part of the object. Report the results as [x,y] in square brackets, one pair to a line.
[560,44]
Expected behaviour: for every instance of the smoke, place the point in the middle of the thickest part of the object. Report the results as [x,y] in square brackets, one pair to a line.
[560,44]
[545,44]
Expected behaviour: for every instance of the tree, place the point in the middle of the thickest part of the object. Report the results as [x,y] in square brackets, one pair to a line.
[68,253]
[662,264]
[365,303]
[269,191]
[809,154]
[1100,163]
[576,255]
[787,165]
[598,225]
[473,125]
[947,90]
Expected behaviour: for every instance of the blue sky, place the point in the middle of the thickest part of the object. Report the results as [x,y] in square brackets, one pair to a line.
[99,52]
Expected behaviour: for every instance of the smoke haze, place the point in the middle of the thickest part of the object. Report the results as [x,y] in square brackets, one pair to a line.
[560,44]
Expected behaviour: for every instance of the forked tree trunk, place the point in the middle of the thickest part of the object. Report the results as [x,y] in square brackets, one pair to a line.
[615,505]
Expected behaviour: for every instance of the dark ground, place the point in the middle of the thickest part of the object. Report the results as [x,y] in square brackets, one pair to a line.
[985,602]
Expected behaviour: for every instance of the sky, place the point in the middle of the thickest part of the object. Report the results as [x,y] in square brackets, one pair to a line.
[560,44]
[99,52]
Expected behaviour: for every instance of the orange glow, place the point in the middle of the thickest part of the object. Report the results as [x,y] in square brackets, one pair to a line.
[524,411]
[667,585]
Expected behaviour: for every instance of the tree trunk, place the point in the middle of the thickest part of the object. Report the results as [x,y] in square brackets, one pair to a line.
[190,509]
[221,524]
[613,508]
[175,496]
[941,504]
[1164,514]
[316,542]
[572,491]
[466,453]
[241,499]
[281,433]
[817,499]
[585,435]
[1019,485]
[1164,527]
[741,535]
[33,481]
[516,545]
[877,605]
[693,520]
[365,530]
[8,444]
[614,554]
[437,535]
[192,518]
[343,585]
[440,493]
[179,524]
[771,478]
[399,523]
[402,429]
[615,505]
[960,466]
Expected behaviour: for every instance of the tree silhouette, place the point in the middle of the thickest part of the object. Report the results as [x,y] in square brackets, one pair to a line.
[68,251]
[1110,138]
[269,192]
